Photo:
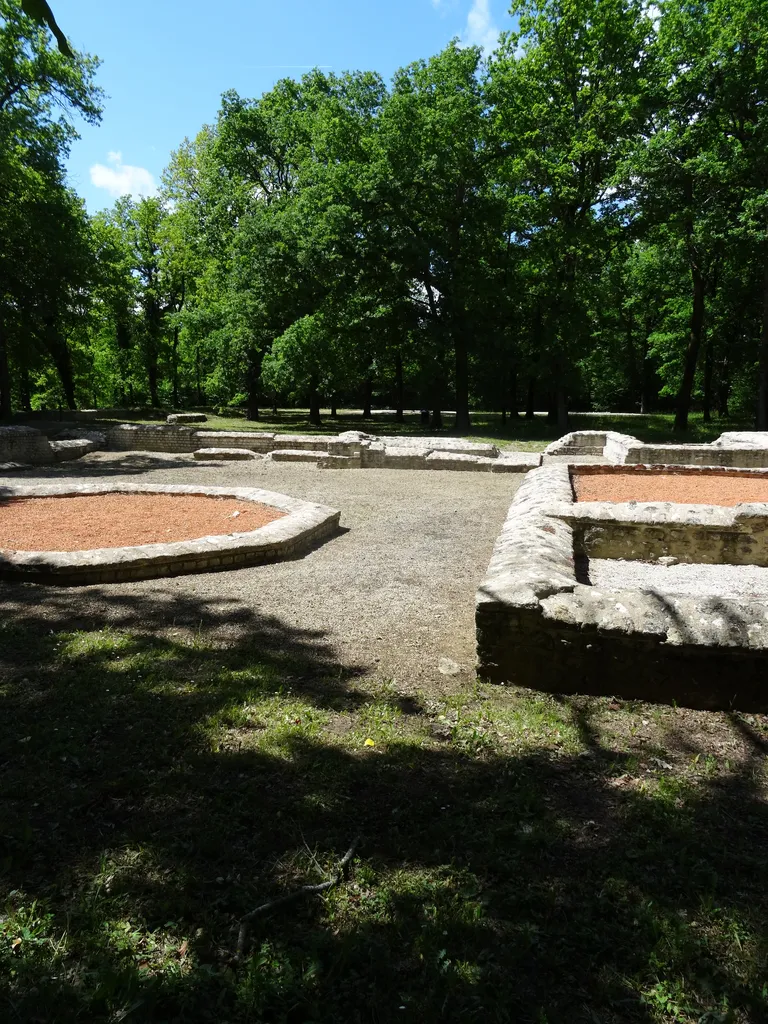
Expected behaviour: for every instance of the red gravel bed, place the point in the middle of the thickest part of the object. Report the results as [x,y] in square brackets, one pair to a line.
[682,488]
[83,522]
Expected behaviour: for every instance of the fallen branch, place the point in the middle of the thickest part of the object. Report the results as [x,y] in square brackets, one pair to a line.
[291,897]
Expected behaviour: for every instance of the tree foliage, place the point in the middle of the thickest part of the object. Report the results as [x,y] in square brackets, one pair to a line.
[578,219]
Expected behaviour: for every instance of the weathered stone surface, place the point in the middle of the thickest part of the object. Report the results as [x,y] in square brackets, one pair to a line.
[455,445]
[186,417]
[65,451]
[516,462]
[294,455]
[24,445]
[303,442]
[340,462]
[226,454]
[97,437]
[735,448]
[451,460]
[370,451]
[304,525]
[742,439]
[538,626]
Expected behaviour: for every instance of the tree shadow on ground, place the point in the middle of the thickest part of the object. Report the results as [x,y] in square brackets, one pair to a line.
[155,785]
[130,463]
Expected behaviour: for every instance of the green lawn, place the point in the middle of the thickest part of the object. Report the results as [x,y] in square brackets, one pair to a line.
[530,435]
[522,858]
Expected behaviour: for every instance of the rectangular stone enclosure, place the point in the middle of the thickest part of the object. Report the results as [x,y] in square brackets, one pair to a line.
[541,624]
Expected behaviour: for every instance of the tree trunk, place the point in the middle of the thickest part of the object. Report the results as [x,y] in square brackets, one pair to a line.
[254,380]
[25,392]
[707,409]
[314,405]
[648,388]
[530,412]
[552,407]
[762,392]
[175,367]
[63,362]
[691,352]
[562,408]
[197,376]
[436,420]
[399,403]
[334,413]
[513,410]
[154,401]
[368,398]
[462,381]
[5,379]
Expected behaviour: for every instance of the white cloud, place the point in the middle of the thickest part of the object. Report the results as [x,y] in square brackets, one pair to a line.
[481,30]
[121,179]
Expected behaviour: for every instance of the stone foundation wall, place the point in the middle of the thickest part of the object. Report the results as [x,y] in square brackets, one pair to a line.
[363,450]
[744,449]
[537,626]
[304,525]
[697,455]
[24,445]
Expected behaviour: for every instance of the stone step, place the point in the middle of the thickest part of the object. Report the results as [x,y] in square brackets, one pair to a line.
[225,454]
[295,455]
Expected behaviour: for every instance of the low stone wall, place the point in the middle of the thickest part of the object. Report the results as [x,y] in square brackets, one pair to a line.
[647,531]
[697,455]
[186,417]
[304,525]
[365,451]
[537,626]
[24,445]
[741,449]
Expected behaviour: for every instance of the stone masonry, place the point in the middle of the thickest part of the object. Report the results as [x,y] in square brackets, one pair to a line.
[737,449]
[538,626]
[304,525]
[350,450]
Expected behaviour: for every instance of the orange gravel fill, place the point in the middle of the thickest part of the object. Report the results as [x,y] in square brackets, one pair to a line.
[89,521]
[683,488]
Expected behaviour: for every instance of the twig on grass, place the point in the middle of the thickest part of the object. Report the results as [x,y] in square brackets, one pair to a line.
[292,897]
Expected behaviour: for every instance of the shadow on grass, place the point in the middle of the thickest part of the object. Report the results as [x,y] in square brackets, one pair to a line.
[158,783]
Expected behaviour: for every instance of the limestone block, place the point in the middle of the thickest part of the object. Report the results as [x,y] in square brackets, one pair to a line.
[98,437]
[24,444]
[455,445]
[516,462]
[304,442]
[294,455]
[742,439]
[465,463]
[408,457]
[65,451]
[226,454]
[186,417]
[340,462]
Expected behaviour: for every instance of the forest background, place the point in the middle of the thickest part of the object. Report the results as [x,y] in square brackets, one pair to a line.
[578,220]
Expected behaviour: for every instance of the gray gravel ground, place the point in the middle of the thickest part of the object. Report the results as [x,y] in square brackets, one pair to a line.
[739,582]
[390,596]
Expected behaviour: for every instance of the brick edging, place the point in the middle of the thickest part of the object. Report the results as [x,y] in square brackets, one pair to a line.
[304,525]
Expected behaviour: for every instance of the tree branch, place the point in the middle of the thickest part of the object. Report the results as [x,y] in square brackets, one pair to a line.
[292,897]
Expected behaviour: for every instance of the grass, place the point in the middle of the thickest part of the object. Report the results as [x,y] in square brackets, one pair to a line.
[523,858]
[527,435]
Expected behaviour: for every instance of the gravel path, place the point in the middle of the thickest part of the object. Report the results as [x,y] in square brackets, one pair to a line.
[391,596]
[738,582]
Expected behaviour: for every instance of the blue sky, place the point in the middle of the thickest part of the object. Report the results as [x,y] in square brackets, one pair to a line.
[165,64]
